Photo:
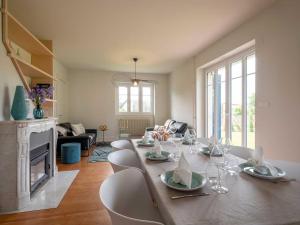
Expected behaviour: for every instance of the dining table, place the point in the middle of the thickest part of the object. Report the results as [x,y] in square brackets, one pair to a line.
[249,201]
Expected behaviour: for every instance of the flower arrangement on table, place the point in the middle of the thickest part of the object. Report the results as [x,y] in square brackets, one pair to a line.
[38,96]
[161,134]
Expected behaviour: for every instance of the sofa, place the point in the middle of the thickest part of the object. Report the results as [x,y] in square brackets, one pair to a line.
[86,140]
[180,127]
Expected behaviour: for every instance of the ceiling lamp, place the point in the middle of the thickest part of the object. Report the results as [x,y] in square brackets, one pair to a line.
[135,81]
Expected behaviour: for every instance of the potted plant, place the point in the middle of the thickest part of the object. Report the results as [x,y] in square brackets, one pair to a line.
[38,96]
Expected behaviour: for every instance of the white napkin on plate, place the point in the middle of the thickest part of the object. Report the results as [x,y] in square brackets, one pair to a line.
[146,137]
[258,157]
[183,173]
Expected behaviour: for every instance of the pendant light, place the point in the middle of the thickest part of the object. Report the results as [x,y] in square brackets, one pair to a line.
[135,81]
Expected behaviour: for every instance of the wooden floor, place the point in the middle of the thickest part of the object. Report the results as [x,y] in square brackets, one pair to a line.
[81,204]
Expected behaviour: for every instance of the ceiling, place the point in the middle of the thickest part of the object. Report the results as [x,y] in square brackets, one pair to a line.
[107,34]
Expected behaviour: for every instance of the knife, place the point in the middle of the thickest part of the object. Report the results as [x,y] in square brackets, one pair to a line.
[190,195]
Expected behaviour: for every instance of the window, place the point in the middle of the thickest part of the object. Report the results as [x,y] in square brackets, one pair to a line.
[230,99]
[134,99]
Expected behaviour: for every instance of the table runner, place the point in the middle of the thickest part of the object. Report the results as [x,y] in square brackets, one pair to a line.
[250,201]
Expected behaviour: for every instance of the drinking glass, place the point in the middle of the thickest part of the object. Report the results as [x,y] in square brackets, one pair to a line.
[229,166]
[192,139]
[177,139]
[217,158]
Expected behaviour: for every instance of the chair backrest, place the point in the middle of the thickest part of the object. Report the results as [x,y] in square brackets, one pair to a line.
[121,144]
[123,159]
[242,152]
[126,197]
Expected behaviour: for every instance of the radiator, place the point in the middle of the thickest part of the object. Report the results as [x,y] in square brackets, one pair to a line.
[133,127]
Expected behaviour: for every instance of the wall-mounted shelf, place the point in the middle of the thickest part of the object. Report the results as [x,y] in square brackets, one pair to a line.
[21,36]
[38,69]
[31,70]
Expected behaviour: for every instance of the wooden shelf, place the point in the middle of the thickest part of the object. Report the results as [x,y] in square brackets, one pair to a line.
[30,70]
[23,37]
[50,100]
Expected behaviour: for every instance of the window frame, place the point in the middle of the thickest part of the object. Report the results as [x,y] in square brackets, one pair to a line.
[228,108]
[140,86]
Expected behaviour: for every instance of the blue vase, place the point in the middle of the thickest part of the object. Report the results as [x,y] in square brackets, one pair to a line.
[38,112]
[19,108]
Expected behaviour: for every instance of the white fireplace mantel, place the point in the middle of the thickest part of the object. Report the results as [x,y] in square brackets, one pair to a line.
[15,160]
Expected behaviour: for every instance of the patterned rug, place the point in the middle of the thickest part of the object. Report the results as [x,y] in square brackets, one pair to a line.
[100,154]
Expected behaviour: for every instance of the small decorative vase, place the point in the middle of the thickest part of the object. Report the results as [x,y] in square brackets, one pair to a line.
[38,112]
[19,108]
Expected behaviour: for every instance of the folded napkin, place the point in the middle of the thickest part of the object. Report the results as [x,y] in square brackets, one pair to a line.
[258,156]
[262,166]
[146,137]
[183,173]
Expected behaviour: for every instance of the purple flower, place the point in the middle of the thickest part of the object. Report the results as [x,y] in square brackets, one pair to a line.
[38,94]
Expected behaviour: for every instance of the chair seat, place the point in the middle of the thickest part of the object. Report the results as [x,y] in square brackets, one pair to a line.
[121,144]
[123,159]
[127,198]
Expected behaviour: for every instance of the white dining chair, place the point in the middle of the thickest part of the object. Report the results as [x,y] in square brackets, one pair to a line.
[123,159]
[121,144]
[126,197]
[242,152]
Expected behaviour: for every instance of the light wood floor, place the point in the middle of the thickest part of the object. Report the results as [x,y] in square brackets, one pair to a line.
[81,205]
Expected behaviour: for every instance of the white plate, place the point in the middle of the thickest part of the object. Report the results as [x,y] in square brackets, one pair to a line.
[250,171]
[198,181]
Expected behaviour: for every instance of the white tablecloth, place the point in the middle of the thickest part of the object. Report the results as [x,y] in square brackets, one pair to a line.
[250,201]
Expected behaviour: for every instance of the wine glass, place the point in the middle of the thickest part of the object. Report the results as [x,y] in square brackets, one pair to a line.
[217,158]
[228,163]
[192,140]
[177,139]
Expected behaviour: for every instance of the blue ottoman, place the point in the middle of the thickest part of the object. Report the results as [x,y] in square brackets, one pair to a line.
[70,152]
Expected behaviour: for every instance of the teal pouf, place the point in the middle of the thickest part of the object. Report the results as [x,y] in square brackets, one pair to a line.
[70,152]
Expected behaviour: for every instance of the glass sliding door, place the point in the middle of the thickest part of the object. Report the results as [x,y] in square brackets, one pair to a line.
[250,101]
[230,100]
[210,105]
[236,103]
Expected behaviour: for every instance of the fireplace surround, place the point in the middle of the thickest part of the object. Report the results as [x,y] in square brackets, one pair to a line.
[27,160]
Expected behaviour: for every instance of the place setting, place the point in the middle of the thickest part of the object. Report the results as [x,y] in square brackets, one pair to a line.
[259,168]
[183,179]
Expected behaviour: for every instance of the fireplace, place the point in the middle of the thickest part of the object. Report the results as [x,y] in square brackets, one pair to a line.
[28,152]
[39,166]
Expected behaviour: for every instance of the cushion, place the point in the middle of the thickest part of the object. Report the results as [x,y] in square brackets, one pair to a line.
[68,127]
[77,129]
[61,131]
[168,123]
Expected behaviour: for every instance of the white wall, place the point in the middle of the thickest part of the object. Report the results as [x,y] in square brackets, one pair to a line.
[9,79]
[182,93]
[61,91]
[92,98]
[277,35]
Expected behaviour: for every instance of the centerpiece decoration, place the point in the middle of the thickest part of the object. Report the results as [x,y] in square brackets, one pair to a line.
[38,96]
[161,134]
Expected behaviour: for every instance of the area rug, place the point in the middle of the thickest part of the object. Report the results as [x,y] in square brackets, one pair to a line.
[100,154]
